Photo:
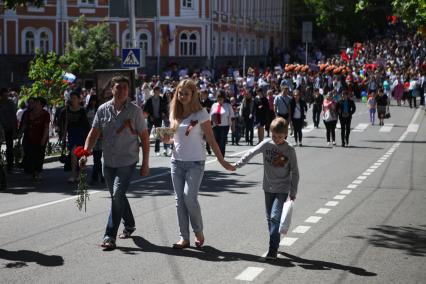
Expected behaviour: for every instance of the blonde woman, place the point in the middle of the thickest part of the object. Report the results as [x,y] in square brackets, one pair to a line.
[190,122]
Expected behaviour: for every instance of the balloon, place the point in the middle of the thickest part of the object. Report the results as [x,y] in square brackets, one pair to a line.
[363,94]
[364,99]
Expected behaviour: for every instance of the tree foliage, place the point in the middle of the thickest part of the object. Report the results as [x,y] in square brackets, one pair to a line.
[47,76]
[413,12]
[89,48]
[13,4]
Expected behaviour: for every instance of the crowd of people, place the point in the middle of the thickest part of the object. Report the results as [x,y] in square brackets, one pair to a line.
[202,111]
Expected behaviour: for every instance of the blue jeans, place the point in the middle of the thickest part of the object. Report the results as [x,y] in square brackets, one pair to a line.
[221,135]
[186,179]
[274,207]
[117,181]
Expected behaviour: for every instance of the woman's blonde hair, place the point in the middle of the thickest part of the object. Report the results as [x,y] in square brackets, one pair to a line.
[176,107]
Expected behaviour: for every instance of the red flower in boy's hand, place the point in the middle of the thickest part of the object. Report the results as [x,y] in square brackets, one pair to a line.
[81,152]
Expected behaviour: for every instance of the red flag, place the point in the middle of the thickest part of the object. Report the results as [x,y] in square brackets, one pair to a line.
[344,56]
[355,53]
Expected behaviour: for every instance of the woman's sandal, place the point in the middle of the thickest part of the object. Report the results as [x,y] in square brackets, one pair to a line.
[108,244]
[181,245]
[199,240]
[126,233]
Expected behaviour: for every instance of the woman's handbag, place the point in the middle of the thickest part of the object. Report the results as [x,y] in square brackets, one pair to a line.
[286,217]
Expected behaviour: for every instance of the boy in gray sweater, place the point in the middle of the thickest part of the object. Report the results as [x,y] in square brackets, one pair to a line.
[280,177]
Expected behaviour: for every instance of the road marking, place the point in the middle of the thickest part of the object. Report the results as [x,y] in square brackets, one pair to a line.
[249,274]
[313,219]
[308,128]
[42,205]
[332,203]
[339,197]
[301,229]
[287,241]
[378,164]
[352,186]
[346,191]
[412,127]
[361,177]
[361,127]
[357,181]
[96,191]
[374,167]
[386,128]
[370,170]
[323,211]
[366,173]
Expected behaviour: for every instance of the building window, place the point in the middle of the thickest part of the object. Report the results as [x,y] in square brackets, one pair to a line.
[193,45]
[239,46]
[127,41]
[87,2]
[143,43]
[231,46]
[187,3]
[253,47]
[29,42]
[184,44]
[44,42]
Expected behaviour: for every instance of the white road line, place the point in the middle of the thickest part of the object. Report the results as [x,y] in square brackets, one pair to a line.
[374,167]
[346,191]
[96,191]
[366,173]
[313,219]
[386,128]
[358,181]
[323,211]
[332,203]
[378,164]
[361,177]
[339,197]
[361,127]
[287,241]
[370,170]
[412,127]
[250,273]
[352,186]
[301,229]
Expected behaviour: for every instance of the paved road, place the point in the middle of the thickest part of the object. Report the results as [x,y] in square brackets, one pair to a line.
[359,218]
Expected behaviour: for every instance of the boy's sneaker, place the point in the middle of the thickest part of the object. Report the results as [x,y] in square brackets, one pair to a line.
[272,255]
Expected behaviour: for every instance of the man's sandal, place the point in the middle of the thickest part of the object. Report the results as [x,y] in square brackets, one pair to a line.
[126,233]
[108,244]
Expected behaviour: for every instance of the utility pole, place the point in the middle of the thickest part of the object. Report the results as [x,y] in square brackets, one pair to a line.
[132,23]
[158,37]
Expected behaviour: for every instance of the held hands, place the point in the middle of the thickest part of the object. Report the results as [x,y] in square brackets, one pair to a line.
[228,166]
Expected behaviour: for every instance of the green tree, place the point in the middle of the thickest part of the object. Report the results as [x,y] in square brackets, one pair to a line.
[413,12]
[89,48]
[47,76]
[13,4]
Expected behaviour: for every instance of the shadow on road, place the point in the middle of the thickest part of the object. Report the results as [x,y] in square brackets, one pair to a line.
[325,265]
[208,253]
[409,239]
[21,257]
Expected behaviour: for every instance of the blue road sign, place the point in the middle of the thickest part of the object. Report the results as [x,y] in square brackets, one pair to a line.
[131,57]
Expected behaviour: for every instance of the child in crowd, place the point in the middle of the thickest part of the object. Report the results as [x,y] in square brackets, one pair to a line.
[280,177]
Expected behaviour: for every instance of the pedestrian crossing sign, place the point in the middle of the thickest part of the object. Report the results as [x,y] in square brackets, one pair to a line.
[131,57]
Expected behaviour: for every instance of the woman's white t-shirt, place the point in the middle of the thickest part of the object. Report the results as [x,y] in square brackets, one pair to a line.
[190,147]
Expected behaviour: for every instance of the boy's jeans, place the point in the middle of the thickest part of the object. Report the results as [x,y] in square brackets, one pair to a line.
[186,179]
[117,181]
[274,207]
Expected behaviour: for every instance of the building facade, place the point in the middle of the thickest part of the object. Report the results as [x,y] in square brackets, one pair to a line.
[191,31]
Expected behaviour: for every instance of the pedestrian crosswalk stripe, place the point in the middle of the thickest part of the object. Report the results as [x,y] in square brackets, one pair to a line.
[249,273]
[360,127]
[287,241]
[412,127]
[386,128]
[313,219]
[301,229]
[323,211]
